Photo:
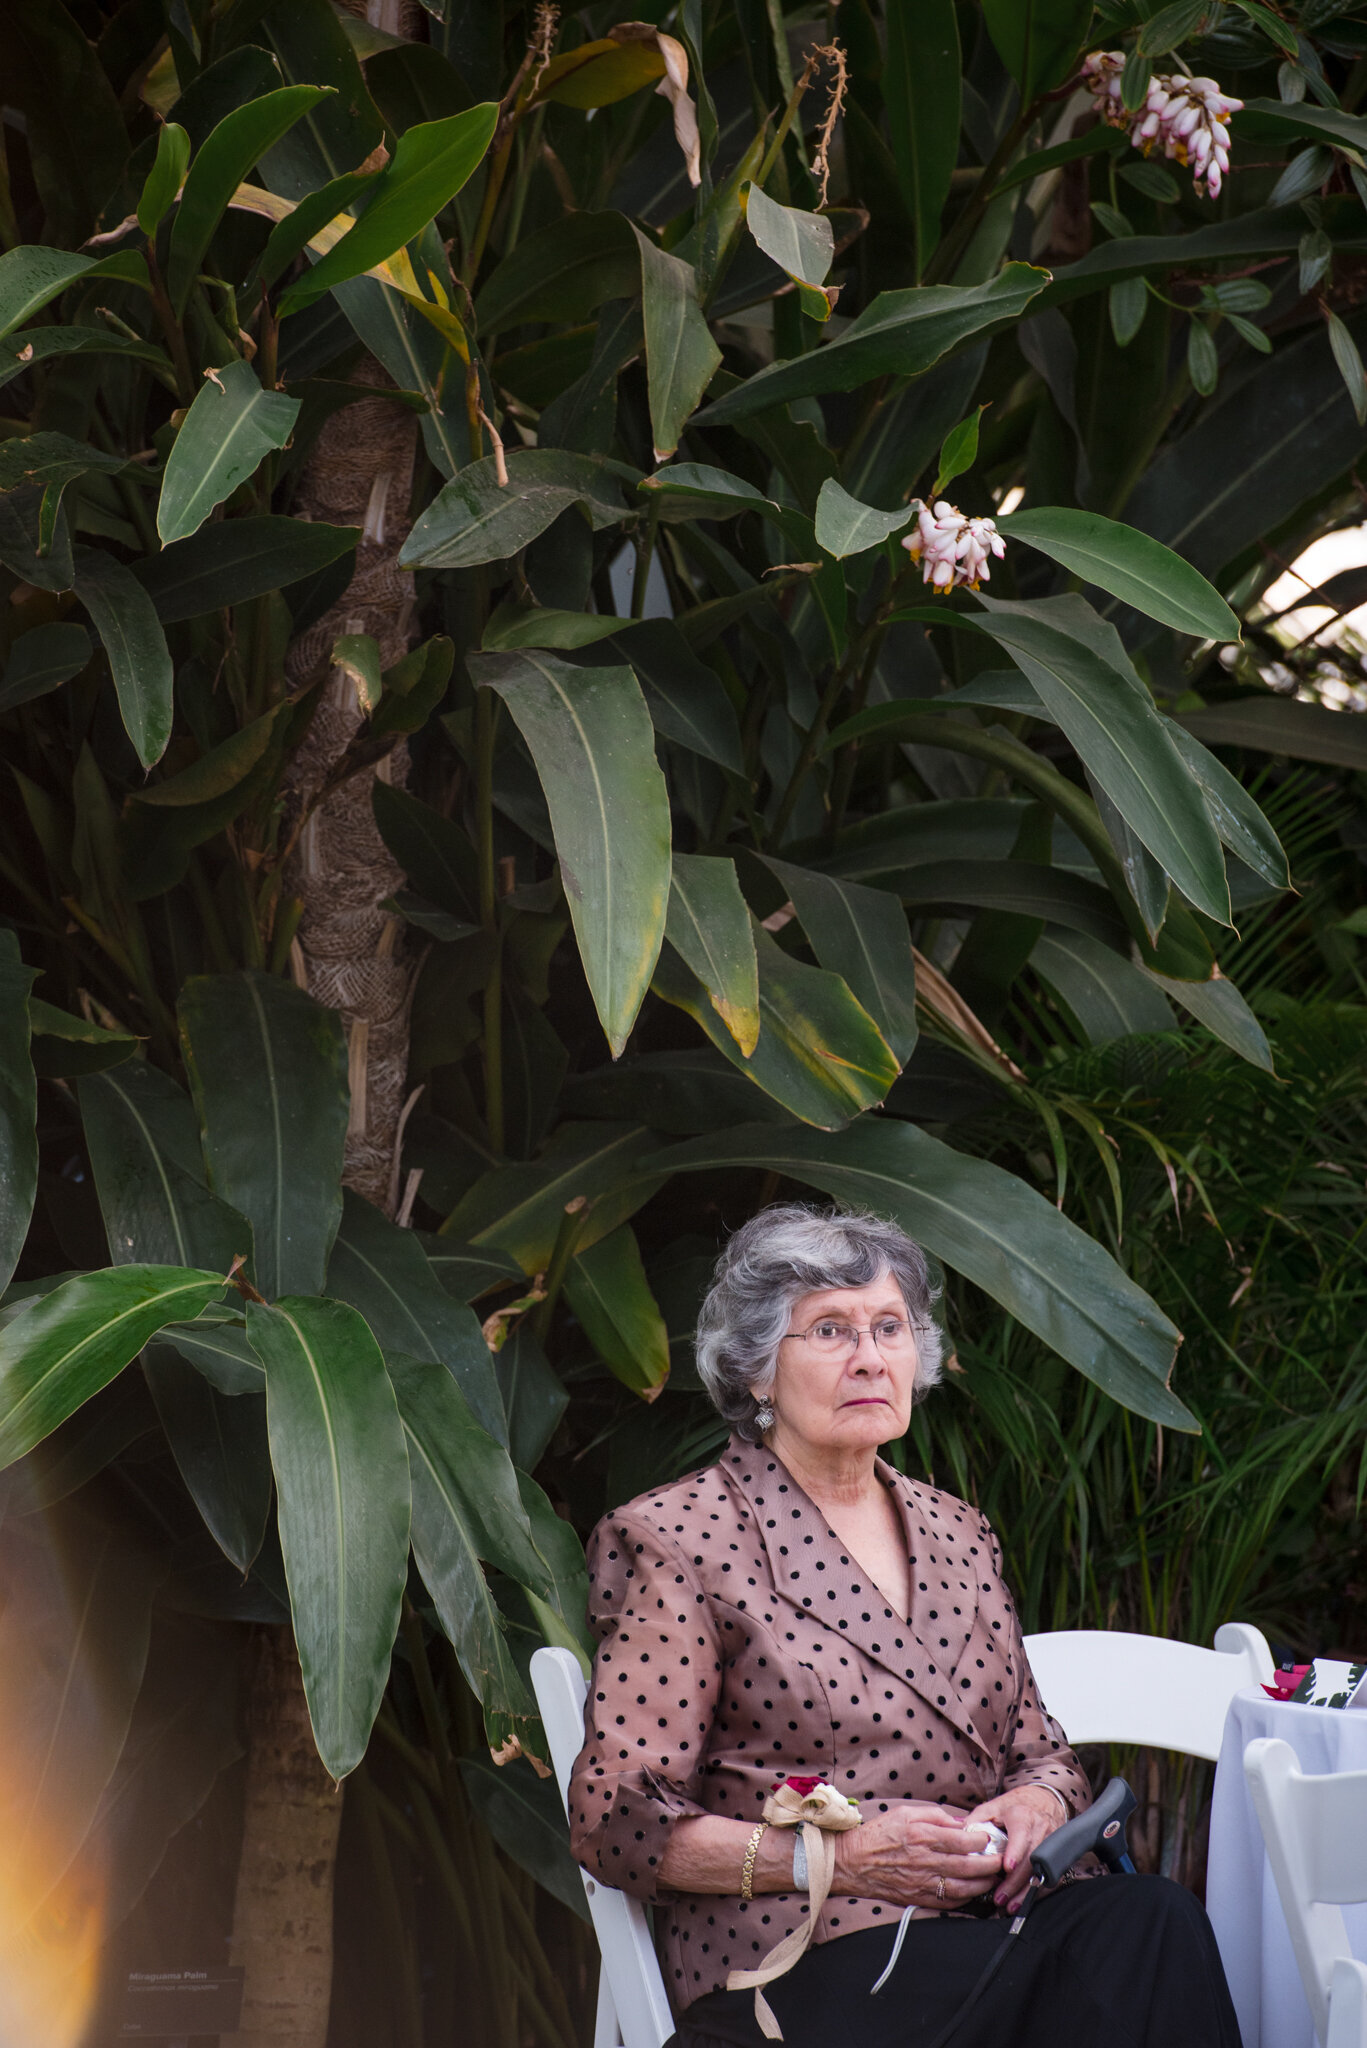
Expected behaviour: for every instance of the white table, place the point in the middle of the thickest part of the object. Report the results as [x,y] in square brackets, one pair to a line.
[1241,1897]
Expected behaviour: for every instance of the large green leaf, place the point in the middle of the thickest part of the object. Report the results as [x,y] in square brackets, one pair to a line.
[921,88]
[988,1225]
[1237,819]
[687,700]
[41,660]
[526,1817]
[681,355]
[845,527]
[709,928]
[801,243]
[609,1293]
[1038,40]
[237,560]
[232,425]
[1218,1005]
[383,1271]
[466,1509]
[268,1068]
[430,164]
[1021,887]
[860,934]
[465,1272]
[432,850]
[68,1344]
[164,180]
[341,1473]
[1282,725]
[64,1046]
[220,1448]
[126,620]
[900,334]
[18,1107]
[143,1142]
[218,168]
[563,272]
[883,846]
[31,275]
[819,1052]
[1108,996]
[594,747]
[1130,565]
[475,518]
[1076,663]
[518,1209]
[21,351]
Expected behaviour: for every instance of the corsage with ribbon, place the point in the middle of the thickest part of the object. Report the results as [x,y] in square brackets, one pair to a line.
[822,1813]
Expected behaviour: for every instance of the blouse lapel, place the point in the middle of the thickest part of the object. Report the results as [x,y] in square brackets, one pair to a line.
[815,1575]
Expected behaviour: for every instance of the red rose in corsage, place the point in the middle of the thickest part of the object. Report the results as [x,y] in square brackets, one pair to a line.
[822,1813]
[1284,1683]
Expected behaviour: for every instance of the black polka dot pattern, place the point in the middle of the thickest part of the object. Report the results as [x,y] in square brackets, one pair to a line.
[738,1643]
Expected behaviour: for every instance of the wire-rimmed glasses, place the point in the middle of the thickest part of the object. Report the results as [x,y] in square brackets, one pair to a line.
[830,1337]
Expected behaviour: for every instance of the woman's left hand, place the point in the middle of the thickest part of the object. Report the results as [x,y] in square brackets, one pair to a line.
[1027,1815]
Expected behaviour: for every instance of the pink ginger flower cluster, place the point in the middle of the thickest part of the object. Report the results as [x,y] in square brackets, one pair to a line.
[951,548]
[1187,118]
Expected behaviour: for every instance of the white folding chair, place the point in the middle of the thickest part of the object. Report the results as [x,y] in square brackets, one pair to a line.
[1316,1835]
[1102,1686]
[633,2011]
[1105,1686]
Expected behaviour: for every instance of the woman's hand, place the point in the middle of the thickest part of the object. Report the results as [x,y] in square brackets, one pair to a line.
[901,1856]
[1028,1815]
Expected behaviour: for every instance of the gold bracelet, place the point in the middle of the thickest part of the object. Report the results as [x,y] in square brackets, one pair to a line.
[747,1869]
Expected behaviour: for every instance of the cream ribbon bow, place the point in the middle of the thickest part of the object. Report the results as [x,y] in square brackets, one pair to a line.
[822,1813]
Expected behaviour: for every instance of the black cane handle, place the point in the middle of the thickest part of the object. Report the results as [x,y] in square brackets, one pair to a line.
[1100,1829]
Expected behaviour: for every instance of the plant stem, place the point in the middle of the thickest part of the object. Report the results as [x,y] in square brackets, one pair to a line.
[172,332]
[946,256]
[645,555]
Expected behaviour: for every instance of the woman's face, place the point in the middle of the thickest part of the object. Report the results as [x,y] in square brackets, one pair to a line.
[854,1403]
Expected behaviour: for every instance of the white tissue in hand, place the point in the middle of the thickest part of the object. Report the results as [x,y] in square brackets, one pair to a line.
[996,1838]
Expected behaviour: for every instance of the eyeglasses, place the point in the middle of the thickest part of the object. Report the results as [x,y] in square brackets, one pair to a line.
[832,1339]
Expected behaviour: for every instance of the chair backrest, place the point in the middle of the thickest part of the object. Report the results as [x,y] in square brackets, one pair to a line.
[1316,1835]
[1102,1685]
[633,2010]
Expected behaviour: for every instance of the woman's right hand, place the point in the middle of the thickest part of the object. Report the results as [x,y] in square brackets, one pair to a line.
[900,1855]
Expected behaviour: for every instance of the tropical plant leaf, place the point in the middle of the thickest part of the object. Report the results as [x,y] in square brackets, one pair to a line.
[232,425]
[988,1225]
[860,934]
[466,1507]
[64,1046]
[922,90]
[1038,40]
[341,1473]
[709,927]
[68,1344]
[900,334]
[1281,725]
[526,1817]
[218,167]
[430,164]
[681,355]
[845,527]
[518,1209]
[609,1293]
[1130,565]
[165,178]
[591,738]
[475,518]
[268,1069]
[18,1106]
[149,1174]
[237,561]
[1218,1005]
[383,1272]
[1238,820]
[220,1448]
[1107,995]
[126,620]
[41,660]
[819,1052]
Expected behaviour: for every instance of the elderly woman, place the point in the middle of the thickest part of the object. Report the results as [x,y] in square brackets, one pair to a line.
[800,1610]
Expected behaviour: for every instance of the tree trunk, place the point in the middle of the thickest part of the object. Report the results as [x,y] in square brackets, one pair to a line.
[282,1917]
[349,954]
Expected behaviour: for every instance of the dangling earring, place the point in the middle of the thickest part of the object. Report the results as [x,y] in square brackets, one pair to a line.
[764,1417]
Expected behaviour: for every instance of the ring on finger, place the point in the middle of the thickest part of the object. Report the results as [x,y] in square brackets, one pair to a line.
[940,1889]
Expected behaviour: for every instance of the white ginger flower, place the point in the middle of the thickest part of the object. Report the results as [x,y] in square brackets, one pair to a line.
[1187,118]
[951,548]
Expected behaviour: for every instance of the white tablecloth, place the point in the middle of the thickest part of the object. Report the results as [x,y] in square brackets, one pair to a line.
[1241,1896]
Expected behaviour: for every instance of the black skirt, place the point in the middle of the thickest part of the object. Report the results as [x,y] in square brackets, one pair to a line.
[1117,1962]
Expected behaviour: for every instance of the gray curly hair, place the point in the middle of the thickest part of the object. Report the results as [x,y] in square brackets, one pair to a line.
[784,1252]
